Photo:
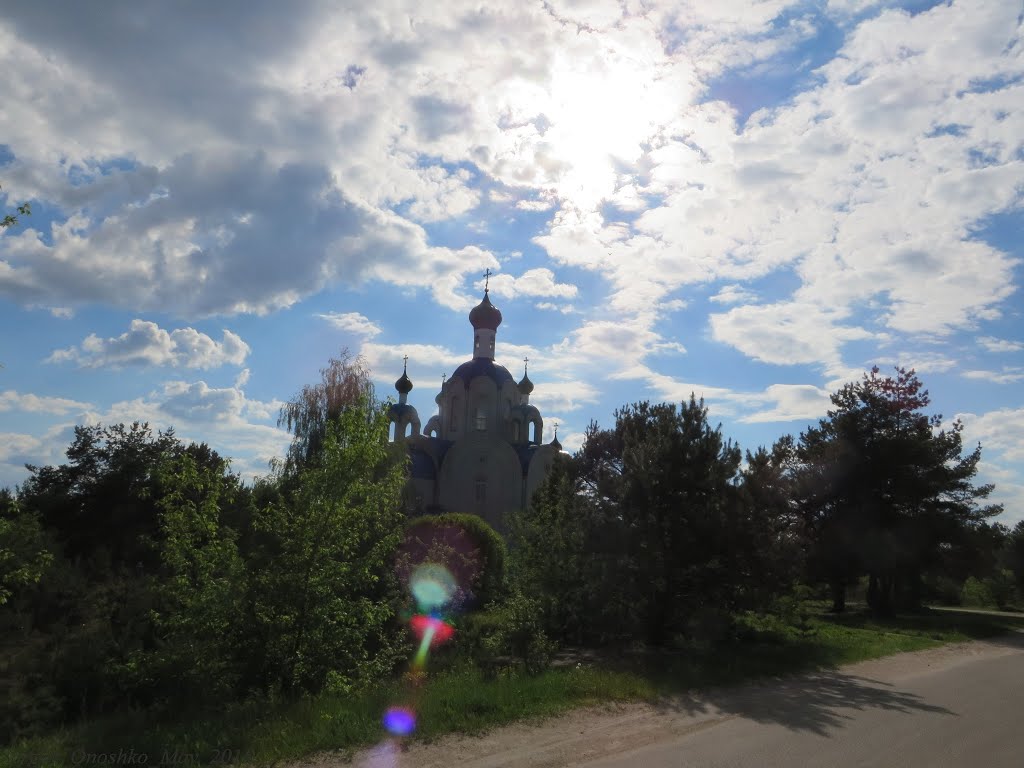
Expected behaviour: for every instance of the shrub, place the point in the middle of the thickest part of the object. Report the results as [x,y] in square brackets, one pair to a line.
[976,594]
[471,549]
[1002,587]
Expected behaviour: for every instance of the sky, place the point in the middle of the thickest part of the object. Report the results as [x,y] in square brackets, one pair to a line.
[753,201]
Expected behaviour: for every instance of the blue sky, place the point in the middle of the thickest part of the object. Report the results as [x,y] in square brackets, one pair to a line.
[752,201]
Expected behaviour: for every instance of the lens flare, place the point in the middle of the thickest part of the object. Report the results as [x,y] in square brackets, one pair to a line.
[399,721]
[439,629]
[432,585]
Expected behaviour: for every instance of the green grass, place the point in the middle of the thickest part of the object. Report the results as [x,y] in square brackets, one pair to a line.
[462,700]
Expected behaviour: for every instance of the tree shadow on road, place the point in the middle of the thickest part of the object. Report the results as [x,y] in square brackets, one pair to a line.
[820,702]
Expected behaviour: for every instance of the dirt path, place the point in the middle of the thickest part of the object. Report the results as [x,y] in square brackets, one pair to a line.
[818,704]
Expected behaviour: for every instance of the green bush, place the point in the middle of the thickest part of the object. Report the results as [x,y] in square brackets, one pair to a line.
[976,594]
[505,633]
[449,537]
[1002,587]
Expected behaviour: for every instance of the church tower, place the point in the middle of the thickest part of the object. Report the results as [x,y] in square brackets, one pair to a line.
[481,452]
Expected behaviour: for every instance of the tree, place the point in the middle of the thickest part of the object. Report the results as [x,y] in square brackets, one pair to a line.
[1013,555]
[102,505]
[24,554]
[772,532]
[549,555]
[889,486]
[199,594]
[344,384]
[325,596]
[651,520]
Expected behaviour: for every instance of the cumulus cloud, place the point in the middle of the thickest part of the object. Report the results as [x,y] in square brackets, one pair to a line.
[993,344]
[352,322]
[1001,430]
[146,343]
[565,309]
[791,402]
[733,294]
[533,282]
[785,333]
[1006,376]
[560,395]
[27,402]
[19,449]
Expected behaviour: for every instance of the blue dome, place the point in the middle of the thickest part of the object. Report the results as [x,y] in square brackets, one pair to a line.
[481,366]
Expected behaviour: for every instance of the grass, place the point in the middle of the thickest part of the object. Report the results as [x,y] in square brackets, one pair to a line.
[462,700]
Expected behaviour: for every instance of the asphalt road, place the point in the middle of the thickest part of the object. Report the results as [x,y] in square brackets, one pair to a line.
[965,710]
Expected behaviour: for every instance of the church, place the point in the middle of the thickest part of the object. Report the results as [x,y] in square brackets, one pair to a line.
[483,451]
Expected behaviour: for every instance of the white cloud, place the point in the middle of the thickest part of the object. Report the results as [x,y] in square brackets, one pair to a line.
[785,333]
[533,282]
[1000,430]
[59,406]
[352,322]
[19,449]
[733,294]
[791,402]
[1006,376]
[554,396]
[993,344]
[565,309]
[146,343]
[918,361]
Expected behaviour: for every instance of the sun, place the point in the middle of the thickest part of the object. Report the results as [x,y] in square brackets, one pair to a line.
[604,111]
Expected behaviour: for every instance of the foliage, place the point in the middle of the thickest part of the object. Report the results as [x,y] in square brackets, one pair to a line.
[1013,555]
[465,544]
[102,505]
[10,219]
[344,385]
[976,594]
[648,527]
[888,489]
[549,555]
[324,594]
[198,620]
[512,630]
[24,555]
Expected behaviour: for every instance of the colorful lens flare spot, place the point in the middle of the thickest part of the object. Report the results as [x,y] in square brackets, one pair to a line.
[437,630]
[432,585]
[399,721]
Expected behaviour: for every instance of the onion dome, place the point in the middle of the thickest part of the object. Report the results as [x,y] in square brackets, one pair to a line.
[554,443]
[485,314]
[404,384]
[525,385]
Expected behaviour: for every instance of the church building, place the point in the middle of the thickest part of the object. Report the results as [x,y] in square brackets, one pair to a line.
[482,452]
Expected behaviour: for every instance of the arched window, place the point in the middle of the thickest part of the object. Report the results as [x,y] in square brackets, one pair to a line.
[533,432]
[408,429]
[391,431]
[481,420]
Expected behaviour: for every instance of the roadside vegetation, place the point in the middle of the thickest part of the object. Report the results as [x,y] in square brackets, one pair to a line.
[152,603]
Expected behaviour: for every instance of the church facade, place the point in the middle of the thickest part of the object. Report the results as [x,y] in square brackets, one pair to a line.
[483,451]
